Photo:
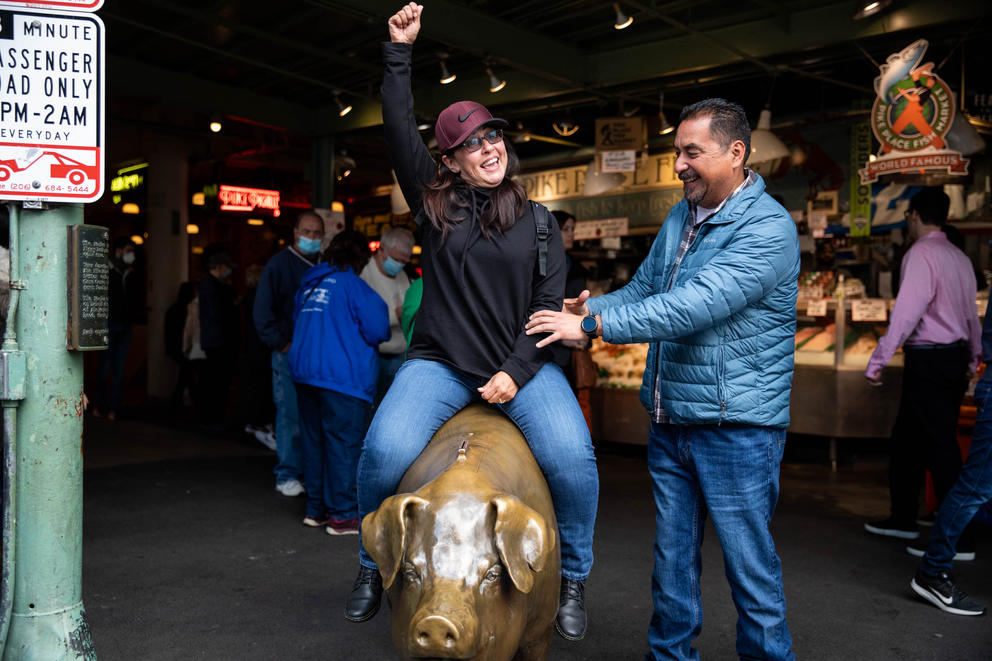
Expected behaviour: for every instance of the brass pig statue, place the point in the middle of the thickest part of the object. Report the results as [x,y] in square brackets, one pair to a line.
[468,547]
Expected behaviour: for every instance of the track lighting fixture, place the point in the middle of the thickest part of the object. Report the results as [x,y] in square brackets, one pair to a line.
[446,76]
[868,8]
[622,21]
[495,83]
[342,108]
[665,127]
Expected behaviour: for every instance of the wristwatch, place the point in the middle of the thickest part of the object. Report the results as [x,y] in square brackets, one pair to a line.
[589,326]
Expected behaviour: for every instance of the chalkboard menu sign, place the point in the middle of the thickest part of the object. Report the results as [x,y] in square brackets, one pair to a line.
[89,278]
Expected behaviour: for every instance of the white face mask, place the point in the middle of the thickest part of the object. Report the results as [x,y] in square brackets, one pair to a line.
[128,258]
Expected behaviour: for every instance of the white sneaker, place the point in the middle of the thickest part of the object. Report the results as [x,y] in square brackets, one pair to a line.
[291,488]
[266,438]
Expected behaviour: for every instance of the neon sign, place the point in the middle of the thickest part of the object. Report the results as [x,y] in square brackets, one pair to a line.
[239,198]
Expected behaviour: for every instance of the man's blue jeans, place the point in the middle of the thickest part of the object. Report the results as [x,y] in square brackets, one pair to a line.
[425,394]
[730,472]
[288,447]
[972,489]
[331,426]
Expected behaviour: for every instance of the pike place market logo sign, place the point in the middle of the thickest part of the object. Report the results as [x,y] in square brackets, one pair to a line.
[912,113]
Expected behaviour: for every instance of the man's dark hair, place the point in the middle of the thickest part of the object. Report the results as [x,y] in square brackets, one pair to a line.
[308,212]
[932,204]
[562,217]
[349,248]
[728,121]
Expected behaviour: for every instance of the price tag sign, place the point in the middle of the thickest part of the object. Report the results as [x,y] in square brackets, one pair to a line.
[816,308]
[869,309]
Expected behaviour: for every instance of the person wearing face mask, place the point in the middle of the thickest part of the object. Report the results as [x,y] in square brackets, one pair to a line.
[490,258]
[273,316]
[124,296]
[384,273]
[219,337]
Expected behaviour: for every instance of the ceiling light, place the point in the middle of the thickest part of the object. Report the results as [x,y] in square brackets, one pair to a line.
[495,83]
[868,8]
[565,127]
[199,199]
[216,123]
[192,228]
[665,128]
[446,76]
[256,222]
[623,21]
[197,250]
[137,239]
[765,145]
[131,208]
[342,109]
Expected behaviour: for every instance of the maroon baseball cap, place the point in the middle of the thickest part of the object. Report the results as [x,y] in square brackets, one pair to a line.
[459,120]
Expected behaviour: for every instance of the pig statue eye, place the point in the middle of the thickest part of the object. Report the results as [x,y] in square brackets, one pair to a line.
[410,573]
[493,575]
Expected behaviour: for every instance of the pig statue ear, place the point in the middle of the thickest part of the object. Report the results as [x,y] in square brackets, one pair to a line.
[384,533]
[524,539]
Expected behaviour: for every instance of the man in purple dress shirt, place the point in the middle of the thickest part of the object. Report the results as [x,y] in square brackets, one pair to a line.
[936,323]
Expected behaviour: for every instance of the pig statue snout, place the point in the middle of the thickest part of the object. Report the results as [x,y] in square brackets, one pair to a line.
[441,637]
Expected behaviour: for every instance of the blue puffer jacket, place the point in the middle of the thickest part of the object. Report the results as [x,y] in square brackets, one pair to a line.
[339,323]
[723,334]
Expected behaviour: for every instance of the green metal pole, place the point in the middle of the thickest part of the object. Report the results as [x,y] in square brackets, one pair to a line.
[48,622]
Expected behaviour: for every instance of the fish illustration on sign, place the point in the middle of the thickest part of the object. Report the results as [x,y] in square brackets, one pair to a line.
[899,66]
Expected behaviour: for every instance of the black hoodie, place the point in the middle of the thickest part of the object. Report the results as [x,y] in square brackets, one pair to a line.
[478,292]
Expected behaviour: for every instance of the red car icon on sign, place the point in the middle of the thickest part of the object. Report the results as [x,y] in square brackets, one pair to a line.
[74,171]
[10,166]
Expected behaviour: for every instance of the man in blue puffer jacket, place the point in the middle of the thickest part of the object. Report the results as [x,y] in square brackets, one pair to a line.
[339,322]
[716,298]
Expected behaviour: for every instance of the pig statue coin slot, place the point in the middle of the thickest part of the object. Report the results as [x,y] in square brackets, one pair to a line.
[468,548]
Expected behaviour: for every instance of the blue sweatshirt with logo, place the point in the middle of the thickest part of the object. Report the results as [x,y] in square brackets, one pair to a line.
[339,322]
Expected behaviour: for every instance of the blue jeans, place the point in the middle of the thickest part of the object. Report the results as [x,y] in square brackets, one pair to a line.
[972,489]
[331,427]
[730,472]
[288,450]
[425,394]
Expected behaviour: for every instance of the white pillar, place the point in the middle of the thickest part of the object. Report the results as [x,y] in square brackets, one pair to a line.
[167,251]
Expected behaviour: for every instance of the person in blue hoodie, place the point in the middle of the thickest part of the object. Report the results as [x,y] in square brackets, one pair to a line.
[339,322]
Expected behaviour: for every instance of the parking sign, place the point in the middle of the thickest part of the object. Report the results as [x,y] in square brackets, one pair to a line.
[51,106]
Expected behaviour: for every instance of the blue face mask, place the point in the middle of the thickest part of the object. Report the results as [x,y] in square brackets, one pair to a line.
[308,246]
[391,267]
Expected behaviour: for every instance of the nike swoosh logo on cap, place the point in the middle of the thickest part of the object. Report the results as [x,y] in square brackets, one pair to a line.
[462,118]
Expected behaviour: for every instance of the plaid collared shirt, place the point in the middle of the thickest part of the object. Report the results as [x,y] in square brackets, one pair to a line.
[692,229]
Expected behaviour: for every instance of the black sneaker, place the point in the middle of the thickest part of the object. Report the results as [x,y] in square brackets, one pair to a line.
[927,519]
[942,592]
[366,595]
[962,554]
[892,528]
[571,621]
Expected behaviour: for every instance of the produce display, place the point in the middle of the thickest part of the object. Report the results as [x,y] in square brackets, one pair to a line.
[620,365]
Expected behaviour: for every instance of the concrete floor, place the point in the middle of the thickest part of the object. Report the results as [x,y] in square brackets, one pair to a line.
[189,553]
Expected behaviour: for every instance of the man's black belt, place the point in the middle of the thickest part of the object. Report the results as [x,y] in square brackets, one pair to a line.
[921,347]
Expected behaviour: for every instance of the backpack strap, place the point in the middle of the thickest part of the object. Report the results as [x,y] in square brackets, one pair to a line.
[543,233]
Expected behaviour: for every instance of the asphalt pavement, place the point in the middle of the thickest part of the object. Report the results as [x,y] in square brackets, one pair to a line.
[190,553]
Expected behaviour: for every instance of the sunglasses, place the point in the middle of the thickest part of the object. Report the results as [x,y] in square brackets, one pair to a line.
[493,137]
